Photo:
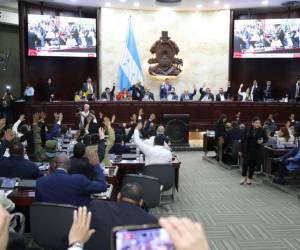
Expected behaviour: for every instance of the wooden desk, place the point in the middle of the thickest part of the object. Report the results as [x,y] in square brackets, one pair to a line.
[25,197]
[209,143]
[134,166]
[203,115]
[270,153]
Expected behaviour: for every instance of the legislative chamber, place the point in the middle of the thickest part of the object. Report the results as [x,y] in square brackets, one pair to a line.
[149,124]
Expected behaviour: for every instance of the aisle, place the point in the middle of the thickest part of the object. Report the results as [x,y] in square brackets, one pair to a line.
[235,217]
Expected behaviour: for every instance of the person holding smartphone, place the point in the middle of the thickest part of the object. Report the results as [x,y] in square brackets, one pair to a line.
[252,142]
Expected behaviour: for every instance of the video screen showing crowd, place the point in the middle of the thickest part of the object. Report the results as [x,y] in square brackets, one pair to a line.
[61,36]
[267,38]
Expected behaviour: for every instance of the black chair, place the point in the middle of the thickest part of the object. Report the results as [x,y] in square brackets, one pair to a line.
[50,224]
[165,173]
[150,186]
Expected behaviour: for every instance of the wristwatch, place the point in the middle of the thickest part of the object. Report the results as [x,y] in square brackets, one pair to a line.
[77,245]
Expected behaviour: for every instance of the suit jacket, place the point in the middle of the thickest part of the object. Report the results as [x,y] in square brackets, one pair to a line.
[173,98]
[293,91]
[150,97]
[256,96]
[108,214]
[190,96]
[137,93]
[111,95]
[203,94]
[226,95]
[85,87]
[3,145]
[164,90]
[268,93]
[18,166]
[81,165]
[74,189]
[48,91]
[119,149]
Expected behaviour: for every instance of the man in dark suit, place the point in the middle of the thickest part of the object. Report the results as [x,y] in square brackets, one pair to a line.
[255,92]
[74,189]
[223,95]
[295,90]
[206,96]
[268,92]
[165,88]
[172,96]
[138,91]
[16,165]
[127,211]
[108,94]
[49,91]
[118,148]
[186,96]
[80,164]
[148,96]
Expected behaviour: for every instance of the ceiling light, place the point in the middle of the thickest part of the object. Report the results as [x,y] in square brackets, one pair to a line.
[226,6]
[107,4]
[265,2]
[122,1]
[136,4]
[199,6]
[216,2]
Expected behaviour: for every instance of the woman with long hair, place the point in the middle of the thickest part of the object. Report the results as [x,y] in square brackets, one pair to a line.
[252,142]
[284,136]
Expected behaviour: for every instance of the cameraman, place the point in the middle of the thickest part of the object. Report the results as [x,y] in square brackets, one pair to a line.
[6,105]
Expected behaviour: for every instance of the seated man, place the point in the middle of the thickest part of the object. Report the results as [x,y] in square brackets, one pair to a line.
[118,148]
[74,189]
[159,131]
[16,165]
[127,211]
[108,94]
[148,96]
[172,96]
[156,153]
[206,96]
[80,164]
[186,96]
[289,162]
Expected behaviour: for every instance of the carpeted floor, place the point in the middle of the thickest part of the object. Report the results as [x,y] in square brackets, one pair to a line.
[234,217]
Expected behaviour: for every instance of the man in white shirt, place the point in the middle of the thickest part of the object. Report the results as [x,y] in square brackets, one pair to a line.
[84,114]
[159,131]
[28,92]
[154,154]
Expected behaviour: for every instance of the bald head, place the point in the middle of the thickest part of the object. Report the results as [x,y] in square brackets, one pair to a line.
[62,161]
[160,130]
[86,107]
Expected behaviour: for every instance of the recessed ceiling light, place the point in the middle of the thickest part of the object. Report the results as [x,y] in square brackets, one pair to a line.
[122,1]
[199,6]
[136,4]
[107,4]
[216,2]
[226,6]
[265,2]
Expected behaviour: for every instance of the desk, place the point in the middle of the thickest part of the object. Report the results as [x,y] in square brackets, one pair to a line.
[270,153]
[203,115]
[133,166]
[25,197]
[209,143]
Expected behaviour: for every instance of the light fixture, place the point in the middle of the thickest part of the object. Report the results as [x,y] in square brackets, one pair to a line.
[265,2]
[122,1]
[136,4]
[226,6]
[216,2]
[107,4]
[199,6]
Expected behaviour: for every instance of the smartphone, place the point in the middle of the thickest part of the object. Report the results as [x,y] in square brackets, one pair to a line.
[150,237]
[8,183]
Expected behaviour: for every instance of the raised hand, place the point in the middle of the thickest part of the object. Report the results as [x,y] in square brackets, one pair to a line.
[93,158]
[106,121]
[60,117]
[80,230]
[113,118]
[141,111]
[185,234]
[101,133]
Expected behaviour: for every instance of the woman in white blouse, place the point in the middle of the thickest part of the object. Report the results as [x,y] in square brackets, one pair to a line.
[246,96]
[284,137]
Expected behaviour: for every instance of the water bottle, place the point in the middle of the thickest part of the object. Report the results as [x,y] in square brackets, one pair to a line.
[137,154]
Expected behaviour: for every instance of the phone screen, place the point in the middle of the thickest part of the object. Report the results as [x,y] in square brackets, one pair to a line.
[139,239]
[8,183]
